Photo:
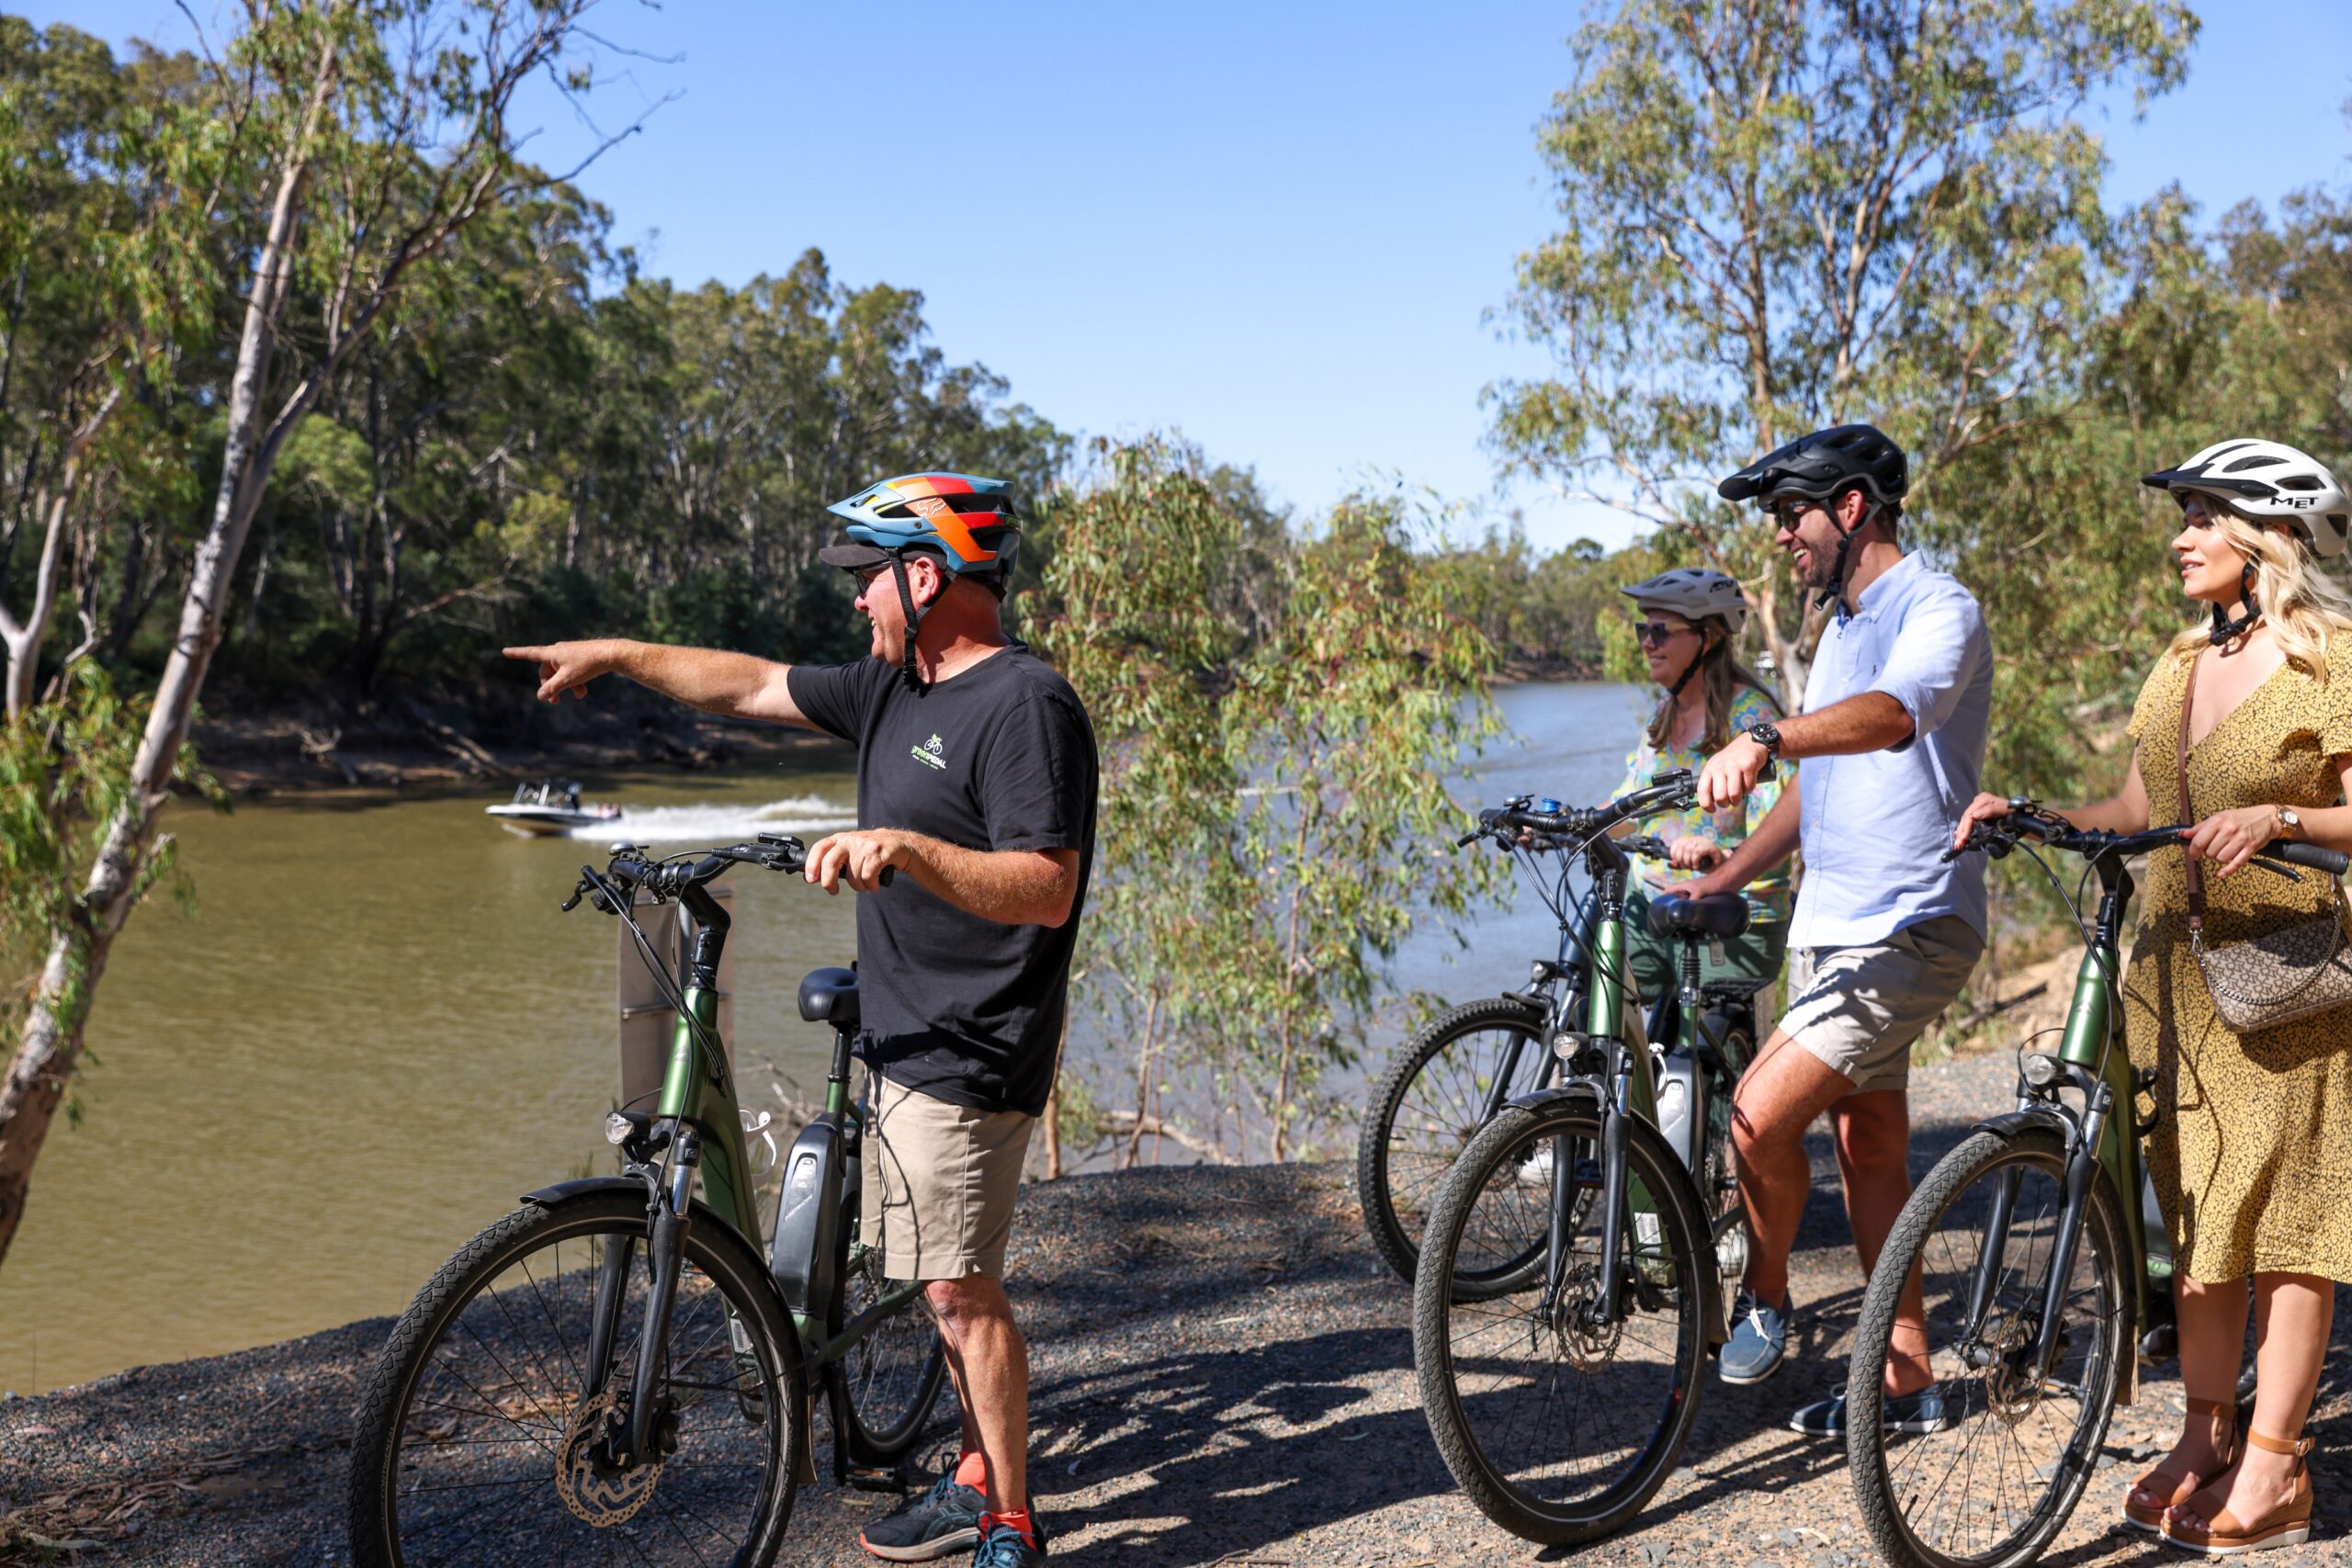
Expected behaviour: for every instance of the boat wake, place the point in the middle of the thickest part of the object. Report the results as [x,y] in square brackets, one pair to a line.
[802,814]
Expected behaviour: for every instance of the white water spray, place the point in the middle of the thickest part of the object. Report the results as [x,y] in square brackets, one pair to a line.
[718,824]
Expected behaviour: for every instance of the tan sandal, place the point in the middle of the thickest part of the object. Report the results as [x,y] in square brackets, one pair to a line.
[2146,1504]
[2288,1525]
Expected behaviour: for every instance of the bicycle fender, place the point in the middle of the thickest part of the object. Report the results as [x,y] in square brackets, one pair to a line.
[1544,1097]
[2034,1118]
[700,1213]
[580,1187]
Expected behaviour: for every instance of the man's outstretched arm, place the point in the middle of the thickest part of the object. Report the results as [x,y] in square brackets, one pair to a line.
[706,678]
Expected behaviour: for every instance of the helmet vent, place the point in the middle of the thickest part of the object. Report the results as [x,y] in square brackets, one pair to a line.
[2340,523]
[2297,481]
[2261,461]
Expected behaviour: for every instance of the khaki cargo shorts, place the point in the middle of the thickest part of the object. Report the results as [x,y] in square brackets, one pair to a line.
[938,1184]
[1859,1010]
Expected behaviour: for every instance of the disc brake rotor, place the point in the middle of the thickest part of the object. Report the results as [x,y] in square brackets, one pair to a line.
[600,1498]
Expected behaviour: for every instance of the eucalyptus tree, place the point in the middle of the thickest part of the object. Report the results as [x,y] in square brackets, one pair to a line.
[107,188]
[372,131]
[1271,795]
[1777,215]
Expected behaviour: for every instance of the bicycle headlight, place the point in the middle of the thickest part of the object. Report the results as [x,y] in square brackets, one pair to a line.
[2040,1069]
[617,1128]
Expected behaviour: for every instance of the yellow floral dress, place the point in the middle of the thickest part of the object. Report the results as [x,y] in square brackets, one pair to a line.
[2252,1158]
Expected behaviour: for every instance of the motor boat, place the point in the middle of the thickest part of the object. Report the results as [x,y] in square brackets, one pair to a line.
[549,806]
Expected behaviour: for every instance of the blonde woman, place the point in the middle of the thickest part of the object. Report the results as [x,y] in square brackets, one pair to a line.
[1689,622]
[2252,1155]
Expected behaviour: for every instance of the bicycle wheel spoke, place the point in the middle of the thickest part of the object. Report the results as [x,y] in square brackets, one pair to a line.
[2003,1475]
[500,1456]
[1549,1410]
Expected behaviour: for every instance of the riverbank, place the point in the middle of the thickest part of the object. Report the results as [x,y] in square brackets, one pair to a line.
[1223,1375]
[290,753]
[258,749]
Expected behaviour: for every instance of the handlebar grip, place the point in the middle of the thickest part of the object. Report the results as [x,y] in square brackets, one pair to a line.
[2332,861]
[889,874]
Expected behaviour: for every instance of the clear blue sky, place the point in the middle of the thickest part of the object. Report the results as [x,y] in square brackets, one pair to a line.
[1276,226]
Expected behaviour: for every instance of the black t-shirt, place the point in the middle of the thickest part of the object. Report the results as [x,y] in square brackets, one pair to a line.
[999,756]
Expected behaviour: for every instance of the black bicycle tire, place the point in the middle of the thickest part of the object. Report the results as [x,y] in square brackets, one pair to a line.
[1488,1490]
[1865,1444]
[869,1444]
[383,1402]
[1399,1250]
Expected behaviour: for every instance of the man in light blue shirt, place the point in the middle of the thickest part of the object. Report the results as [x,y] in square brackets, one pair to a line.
[1888,752]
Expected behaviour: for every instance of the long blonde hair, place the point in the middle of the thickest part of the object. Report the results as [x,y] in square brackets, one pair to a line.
[2304,607]
[1721,675]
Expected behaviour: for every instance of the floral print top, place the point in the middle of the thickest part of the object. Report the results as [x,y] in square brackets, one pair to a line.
[1728,827]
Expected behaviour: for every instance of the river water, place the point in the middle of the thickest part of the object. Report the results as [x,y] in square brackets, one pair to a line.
[377,1030]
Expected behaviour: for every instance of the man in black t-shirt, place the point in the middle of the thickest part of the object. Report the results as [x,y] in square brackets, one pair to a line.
[976,781]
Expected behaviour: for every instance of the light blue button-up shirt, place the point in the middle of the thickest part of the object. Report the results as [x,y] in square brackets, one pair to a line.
[1875,826]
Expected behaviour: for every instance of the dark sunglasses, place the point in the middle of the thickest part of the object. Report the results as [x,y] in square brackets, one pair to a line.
[1653,634]
[1787,513]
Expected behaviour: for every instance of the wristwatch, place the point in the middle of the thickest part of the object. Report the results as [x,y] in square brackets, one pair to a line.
[1764,735]
[2289,824]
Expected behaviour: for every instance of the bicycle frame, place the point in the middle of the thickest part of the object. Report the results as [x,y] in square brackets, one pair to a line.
[700,1115]
[2091,1060]
[1623,1087]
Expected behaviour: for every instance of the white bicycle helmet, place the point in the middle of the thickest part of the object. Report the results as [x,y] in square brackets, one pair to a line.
[2271,480]
[1693,593]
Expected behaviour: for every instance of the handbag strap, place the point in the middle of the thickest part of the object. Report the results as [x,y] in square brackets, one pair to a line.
[2195,875]
[2196,872]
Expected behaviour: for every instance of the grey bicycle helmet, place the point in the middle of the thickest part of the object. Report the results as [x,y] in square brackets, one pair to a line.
[1693,593]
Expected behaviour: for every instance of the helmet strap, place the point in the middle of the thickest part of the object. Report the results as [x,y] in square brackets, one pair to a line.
[2226,629]
[907,671]
[1691,669]
[1834,592]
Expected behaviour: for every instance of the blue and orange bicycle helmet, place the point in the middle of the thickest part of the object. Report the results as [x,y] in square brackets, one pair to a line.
[965,521]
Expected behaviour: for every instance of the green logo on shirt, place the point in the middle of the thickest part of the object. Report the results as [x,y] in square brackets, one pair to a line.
[928,752]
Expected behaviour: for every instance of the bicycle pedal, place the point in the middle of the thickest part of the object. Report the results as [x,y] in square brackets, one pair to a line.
[882,1480]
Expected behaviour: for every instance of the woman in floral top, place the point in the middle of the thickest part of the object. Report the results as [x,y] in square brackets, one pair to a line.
[1689,627]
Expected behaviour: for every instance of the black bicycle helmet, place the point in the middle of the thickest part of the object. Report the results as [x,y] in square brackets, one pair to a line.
[1820,465]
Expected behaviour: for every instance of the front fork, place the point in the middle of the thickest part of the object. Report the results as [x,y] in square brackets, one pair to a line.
[665,1256]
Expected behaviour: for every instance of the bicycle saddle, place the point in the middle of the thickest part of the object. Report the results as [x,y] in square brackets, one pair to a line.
[830,996]
[1718,914]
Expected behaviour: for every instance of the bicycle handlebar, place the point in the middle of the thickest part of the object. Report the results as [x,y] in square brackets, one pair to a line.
[1549,819]
[1997,836]
[629,872]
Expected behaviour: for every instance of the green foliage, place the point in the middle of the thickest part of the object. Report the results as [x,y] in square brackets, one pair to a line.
[1270,789]
[1775,217]
[65,769]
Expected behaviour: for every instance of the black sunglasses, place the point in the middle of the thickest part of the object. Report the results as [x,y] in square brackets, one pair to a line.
[1788,513]
[1653,634]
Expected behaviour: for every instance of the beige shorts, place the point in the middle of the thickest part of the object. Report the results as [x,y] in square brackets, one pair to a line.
[1858,1010]
[938,1183]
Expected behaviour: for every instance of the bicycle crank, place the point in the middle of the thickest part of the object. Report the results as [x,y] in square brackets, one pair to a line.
[597,1491]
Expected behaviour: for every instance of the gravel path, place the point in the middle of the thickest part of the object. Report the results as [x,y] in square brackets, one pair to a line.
[1223,1376]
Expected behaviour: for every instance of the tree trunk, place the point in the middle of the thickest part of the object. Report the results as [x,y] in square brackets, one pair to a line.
[79,948]
[24,638]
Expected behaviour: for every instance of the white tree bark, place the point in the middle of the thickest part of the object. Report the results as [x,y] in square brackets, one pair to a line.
[78,950]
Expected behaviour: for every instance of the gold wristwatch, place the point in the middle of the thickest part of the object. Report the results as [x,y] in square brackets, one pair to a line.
[2289,824]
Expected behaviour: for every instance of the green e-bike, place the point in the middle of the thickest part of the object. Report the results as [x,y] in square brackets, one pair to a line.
[1599,1218]
[2043,1271]
[614,1372]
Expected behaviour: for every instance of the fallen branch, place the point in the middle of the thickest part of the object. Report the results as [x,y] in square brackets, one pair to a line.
[1123,1123]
